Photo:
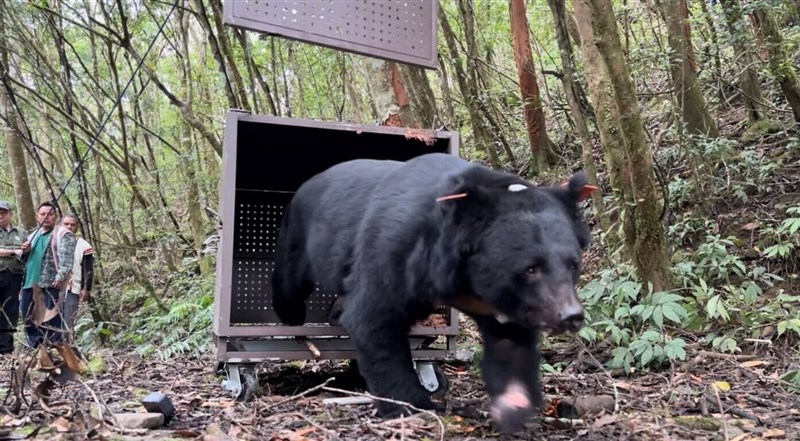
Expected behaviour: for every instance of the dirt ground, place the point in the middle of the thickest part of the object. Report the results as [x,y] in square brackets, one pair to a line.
[683,402]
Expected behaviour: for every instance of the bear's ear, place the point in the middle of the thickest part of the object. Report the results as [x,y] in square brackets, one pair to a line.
[578,187]
[475,192]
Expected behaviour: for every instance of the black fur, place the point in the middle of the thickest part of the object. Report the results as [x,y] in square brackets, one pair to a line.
[374,232]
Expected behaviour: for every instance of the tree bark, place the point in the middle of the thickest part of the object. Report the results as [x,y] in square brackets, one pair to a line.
[649,253]
[528,84]
[780,62]
[558,8]
[689,94]
[423,102]
[391,94]
[748,78]
[483,140]
[16,152]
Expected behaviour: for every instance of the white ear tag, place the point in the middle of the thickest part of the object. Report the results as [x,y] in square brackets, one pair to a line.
[517,187]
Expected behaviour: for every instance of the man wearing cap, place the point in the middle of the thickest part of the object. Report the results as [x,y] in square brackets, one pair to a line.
[11,273]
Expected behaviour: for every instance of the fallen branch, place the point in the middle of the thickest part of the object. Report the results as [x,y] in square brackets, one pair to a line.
[388,400]
[347,401]
[721,356]
[722,410]
[301,394]
[331,434]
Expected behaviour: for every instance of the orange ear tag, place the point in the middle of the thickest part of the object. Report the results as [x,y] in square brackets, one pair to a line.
[451,196]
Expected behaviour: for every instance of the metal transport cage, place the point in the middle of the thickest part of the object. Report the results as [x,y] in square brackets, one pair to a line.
[265,160]
[399,30]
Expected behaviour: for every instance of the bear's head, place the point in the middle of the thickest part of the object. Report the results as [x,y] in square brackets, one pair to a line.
[515,249]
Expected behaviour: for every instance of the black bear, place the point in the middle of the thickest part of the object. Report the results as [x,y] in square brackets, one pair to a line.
[393,239]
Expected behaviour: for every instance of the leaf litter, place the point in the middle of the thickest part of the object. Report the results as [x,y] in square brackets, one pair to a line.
[707,399]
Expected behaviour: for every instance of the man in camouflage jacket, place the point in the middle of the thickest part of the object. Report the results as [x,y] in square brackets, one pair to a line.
[50,253]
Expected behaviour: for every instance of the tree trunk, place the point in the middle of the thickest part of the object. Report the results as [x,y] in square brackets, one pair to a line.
[390,94]
[608,122]
[748,77]
[557,7]
[16,152]
[423,102]
[187,148]
[483,139]
[650,254]
[780,62]
[529,86]
[688,92]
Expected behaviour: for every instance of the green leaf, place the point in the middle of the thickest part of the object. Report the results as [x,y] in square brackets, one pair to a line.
[647,356]
[648,311]
[673,312]
[658,317]
[782,327]
[675,349]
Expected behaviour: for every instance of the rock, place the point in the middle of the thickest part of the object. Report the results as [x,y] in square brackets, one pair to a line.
[577,407]
[139,420]
[698,423]
[465,355]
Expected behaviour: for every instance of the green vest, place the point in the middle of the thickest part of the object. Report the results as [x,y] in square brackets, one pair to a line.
[12,240]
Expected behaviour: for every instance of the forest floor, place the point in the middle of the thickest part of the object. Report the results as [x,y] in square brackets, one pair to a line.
[684,402]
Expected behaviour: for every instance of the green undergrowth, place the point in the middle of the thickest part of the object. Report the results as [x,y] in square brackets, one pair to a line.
[735,283]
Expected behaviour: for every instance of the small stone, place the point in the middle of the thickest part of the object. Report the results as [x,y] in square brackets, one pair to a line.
[465,355]
[139,420]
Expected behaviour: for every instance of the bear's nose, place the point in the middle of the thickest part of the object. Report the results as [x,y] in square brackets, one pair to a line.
[571,317]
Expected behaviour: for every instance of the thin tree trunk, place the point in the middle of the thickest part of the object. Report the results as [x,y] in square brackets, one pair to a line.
[780,62]
[483,140]
[608,122]
[748,78]
[187,148]
[688,92]
[528,84]
[16,152]
[650,253]
[558,8]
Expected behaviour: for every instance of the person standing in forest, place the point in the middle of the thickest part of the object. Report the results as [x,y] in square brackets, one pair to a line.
[11,272]
[51,252]
[80,284]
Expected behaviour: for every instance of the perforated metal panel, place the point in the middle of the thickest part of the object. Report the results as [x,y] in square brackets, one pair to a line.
[258,216]
[400,30]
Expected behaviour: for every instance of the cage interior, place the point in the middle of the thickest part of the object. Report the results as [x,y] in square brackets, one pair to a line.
[272,161]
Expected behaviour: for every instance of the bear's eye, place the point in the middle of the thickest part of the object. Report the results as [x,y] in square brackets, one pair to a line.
[533,272]
[573,265]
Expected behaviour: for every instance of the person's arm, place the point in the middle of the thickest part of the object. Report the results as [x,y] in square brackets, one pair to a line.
[66,256]
[87,270]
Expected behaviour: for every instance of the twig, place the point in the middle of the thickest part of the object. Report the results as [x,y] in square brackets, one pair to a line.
[388,400]
[722,411]
[721,356]
[608,374]
[301,394]
[316,425]
[311,347]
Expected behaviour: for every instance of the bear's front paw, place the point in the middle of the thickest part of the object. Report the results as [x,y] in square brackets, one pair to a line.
[512,408]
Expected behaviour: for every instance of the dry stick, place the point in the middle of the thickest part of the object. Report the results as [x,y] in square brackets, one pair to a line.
[316,425]
[388,400]
[608,374]
[722,410]
[301,394]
